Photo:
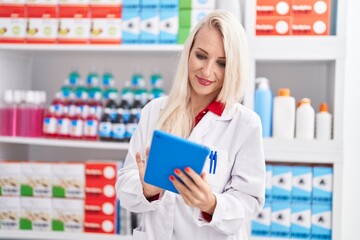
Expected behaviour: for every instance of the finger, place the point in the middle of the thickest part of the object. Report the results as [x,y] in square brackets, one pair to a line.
[203,176]
[147,151]
[182,189]
[186,180]
[139,162]
[196,178]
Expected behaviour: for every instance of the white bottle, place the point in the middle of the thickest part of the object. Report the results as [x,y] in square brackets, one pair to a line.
[323,123]
[284,115]
[305,120]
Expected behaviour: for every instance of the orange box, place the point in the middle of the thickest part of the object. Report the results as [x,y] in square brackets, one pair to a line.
[12,24]
[273,26]
[99,190]
[273,8]
[105,25]
[310,26]
[98,206]
[311,8]
[104,172]
[99,224]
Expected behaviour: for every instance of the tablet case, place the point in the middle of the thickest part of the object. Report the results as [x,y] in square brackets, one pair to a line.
[168,152]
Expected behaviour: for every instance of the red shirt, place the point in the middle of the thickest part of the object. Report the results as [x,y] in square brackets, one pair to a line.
[218,109]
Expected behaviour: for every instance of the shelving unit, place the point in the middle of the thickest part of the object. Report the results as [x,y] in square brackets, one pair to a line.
[59,236]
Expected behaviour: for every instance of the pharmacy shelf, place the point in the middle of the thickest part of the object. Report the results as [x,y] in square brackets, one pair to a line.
[90,48]
[59,236]
[297,48]
[268,238]
[65,143]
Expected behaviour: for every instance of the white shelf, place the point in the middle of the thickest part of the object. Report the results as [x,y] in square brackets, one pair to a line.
[66,143]
[21,234]
[91,48]
[297,48]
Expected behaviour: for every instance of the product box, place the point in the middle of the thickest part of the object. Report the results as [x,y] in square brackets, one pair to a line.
[280,219]
[261,223]
[268,182]
[99,190]
[300,221]
[273,8]
[149,27]
[10,177]
[9,213]
[99,207]
[322,184]
[130,27]
[169,26]
[131,5]
[282,183]
[151,5]
[191,17]
[105,25]
[101,172]
[105,3]
[302,183]
[321,221]
[42,24]
[197,4]
[74,3]
[99,224]
[39,3]
[310,26]
[36,179]
[183,34]
[273,26]
[67,215]
[170,4]
[35,214]
[311,8]
[68,180]
[74,25]
[12,24]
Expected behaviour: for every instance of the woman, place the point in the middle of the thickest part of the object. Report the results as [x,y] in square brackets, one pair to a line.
[203,107]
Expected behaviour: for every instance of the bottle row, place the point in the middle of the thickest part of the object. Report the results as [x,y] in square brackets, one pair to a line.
[282,118]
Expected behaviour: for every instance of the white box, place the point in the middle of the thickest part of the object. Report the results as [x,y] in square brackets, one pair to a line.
[68,180]
[35,214]
[130,27]
[169,26]
[9,213]
[10,177]
[68,215]
[150,27]
[36,179]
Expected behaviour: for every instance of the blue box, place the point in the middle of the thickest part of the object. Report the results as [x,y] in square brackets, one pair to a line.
[169,26]
[300,221]
[153,5]
[132,5]
[131,27]
[280,219]
[322,184]
[268,185]
[302,183]
[282,183]
[150,27]
[261,224]
[321,221]
[170,4]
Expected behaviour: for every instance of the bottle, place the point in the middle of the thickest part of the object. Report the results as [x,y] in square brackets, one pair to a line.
[305,120]
[40,113]
[80,89]
[126,107]
[136,108]
[127,92]
[156,82]
[91,125]
[94,88]
[263,105]
[67,88]
[132,124]
[142,92]
[58,103]
[19,98]
[50,123]
[96,105]
[63,124]
[77,124]
[323,123]
[8,115]
[112,105]
[119,127]
[108,83]
[74,78]
[284,115]
[105,126]
[27,118]
[82,104]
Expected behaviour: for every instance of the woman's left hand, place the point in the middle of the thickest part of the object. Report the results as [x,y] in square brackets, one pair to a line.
[194,189]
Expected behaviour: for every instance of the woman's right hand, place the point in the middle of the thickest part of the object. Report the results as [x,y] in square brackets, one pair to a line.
[148,189]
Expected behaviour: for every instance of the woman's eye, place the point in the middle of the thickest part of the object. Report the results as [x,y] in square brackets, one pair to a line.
[200,56]
[222,64]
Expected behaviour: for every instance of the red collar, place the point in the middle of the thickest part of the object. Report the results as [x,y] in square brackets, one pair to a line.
[215,107]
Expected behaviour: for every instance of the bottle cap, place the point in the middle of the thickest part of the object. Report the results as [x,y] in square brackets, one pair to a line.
[30,97]
[8,96]
[323,107]
[284,92]
[262,83]
[304,101]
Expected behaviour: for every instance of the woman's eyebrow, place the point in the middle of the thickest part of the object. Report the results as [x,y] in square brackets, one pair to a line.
[221,58]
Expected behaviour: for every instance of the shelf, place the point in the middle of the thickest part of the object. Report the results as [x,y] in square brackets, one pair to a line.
[21,234]
[65,143]
[297,48]
[91,48]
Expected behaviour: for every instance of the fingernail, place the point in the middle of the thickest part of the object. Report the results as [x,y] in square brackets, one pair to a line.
[177,171]
[187,169]
[172,178]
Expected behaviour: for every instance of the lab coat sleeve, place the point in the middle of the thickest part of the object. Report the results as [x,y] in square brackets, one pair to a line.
[128,186]
[244,193]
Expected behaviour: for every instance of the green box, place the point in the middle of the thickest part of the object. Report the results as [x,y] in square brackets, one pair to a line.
[185,18]
[183,35]
[185,4]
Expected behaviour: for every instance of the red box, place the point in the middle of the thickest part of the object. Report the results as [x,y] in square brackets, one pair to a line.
[99,224]
[102,172]
[12,24]
[310,26]
[98,190]
[98,207]
[273,8]
[311,8]
[273,26]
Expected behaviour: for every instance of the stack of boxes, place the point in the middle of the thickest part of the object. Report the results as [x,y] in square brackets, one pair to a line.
[293,17]
[13,21]
[191,13]
[298,203]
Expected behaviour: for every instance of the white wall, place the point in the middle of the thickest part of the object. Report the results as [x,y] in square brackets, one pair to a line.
[351,188]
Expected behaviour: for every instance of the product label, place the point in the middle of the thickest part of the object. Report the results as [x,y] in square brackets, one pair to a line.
[119,130]
[91,128]
[76,128]
[105,129]
[49,125]
[130,129]
[63,126]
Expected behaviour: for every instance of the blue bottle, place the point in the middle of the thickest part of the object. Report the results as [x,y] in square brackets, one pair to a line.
[263,105]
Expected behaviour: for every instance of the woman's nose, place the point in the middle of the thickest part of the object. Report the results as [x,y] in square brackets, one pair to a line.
[207,69]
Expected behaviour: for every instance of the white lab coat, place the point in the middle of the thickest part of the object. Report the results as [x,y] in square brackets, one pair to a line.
[238,184]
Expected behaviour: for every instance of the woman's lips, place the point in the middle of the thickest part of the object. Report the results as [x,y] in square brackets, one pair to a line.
[204,81]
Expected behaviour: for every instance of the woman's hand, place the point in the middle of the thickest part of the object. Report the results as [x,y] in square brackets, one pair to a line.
[194,189]
[148,189]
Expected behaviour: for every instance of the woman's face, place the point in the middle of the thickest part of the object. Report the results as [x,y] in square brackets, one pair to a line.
[207,64]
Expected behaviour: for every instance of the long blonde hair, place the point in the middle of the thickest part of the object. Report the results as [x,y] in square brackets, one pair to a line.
[176,117]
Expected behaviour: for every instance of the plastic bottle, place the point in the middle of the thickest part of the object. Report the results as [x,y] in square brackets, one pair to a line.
[19,98]
[8,115]
[67,88]
[126,107]
[136,108]
[323,124]
[127,92]
[58,104]
[96,106]
[63,124]
[77,125]
[132,124]
[105,126]
[305,120]
[27,120]
[108,83]
[119,127]
[82,104]
[142,92]
[50,123]
[91,125]
[156,82]
[263,105]
[94,88]
[74,78]
[284,115]
[111,104]
[80,88]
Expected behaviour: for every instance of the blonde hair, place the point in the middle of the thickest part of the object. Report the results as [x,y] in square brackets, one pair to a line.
[176,117]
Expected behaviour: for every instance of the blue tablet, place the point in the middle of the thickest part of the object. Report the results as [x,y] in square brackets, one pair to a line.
[168,152]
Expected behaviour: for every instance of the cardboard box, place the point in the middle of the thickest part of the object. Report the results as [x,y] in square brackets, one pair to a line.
[169,4]
[68,180]
[302,183]
[98,190]
[42,24]
[273,8]
[150,5]
[300,221]
[322,184]
[105,25]
[102,172]
[311,8]
[282,183]
[321,221]
[261,223]
[68,215]
[150,27]
[43,3]
[169,26]
[197,4]
[268,183]
[99,224]
[9,213]
[131,27]
[12,24]
[310,26]
[10,178]
[74,3]
[100,206]
[36,179]
[131,5]
[106,3]
[273,26]
[280,219]
[191,17]
[35,214]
